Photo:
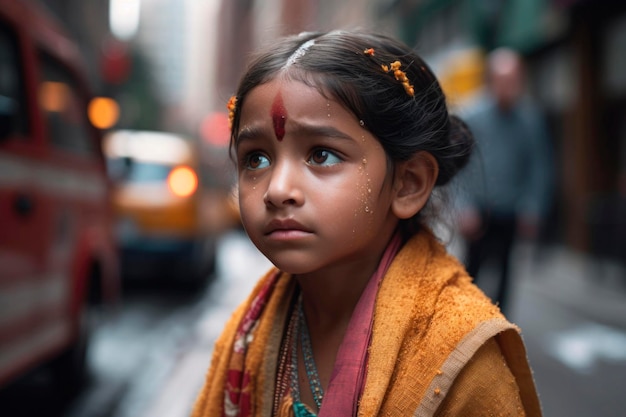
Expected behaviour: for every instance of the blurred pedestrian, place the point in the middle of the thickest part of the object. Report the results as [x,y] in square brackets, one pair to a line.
[509,178]
[340,139]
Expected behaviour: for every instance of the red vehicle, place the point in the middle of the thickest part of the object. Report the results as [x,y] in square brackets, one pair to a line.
[57,256]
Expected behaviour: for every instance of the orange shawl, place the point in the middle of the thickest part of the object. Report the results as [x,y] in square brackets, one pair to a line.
[439,347]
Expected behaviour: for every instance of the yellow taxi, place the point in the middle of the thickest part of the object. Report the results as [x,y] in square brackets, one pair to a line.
[160,202]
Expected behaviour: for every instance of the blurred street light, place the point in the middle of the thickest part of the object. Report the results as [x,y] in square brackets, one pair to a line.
[103,112]
[215,130]
[124,18]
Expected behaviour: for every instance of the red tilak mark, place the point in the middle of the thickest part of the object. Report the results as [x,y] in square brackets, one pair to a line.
[279,117]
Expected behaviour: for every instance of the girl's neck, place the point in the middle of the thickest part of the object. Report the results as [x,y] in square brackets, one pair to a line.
[329,296]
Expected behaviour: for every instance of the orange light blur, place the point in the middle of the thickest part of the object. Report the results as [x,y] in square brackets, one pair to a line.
[53,96]
[182,181]
[103,112]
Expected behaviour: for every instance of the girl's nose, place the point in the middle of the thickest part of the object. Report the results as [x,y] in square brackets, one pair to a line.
[283,188]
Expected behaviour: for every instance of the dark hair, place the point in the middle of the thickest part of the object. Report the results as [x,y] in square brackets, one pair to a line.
[338,66]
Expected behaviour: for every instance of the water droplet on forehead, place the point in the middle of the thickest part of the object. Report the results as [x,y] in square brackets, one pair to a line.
[361,122]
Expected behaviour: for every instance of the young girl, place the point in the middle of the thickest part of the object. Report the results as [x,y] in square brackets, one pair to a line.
[340,139]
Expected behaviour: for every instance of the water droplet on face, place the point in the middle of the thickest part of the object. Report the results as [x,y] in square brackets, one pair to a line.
[361,122]
[364,161]
[367,209]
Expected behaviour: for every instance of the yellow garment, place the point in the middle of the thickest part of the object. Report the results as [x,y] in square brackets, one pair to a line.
[439,346]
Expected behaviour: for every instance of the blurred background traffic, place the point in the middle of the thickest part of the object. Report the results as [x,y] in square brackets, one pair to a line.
[115,174]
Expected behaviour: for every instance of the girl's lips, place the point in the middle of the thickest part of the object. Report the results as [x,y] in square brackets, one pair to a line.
[287,234]
[286,228]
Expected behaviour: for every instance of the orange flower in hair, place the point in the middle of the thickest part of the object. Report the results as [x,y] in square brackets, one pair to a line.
[231,106]
[397,72]
[400,76]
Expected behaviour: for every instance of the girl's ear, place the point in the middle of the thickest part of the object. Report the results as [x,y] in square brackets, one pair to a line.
[413,182]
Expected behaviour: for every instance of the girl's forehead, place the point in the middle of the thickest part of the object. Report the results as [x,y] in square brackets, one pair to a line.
[281,109]
[287,86]
[288,98]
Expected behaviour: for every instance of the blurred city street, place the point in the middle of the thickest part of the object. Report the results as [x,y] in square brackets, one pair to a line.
[573,321]
[150,359]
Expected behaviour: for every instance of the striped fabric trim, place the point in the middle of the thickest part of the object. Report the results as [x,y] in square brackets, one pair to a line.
[464,351]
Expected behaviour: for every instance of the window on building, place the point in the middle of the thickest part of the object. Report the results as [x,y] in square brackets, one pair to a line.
[13,109]
[64,108]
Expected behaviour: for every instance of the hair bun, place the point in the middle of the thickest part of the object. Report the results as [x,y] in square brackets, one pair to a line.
[457,153]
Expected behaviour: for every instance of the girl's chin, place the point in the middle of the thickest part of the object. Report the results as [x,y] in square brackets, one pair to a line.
[289,266]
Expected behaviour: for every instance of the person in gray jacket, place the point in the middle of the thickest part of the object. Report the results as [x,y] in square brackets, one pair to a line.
[510,174]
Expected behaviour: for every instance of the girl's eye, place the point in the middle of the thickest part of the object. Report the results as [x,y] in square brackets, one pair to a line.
[324,157]
[256,161]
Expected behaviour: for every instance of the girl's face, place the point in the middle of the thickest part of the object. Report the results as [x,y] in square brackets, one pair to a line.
[313,185]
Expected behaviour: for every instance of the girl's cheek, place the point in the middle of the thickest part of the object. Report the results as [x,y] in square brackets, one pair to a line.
[247,192]
[247,208]
[365,188]
[247,180]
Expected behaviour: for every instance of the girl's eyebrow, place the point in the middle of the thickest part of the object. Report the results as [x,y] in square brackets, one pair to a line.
[316,130]
[298,129]
[250,132]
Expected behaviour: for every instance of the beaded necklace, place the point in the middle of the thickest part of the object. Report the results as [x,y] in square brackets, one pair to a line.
[283,381]
[315,384]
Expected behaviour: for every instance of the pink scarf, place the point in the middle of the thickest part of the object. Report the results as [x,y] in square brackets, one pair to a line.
[348,377]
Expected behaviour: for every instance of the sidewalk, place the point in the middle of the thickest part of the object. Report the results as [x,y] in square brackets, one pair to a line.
[592,287]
